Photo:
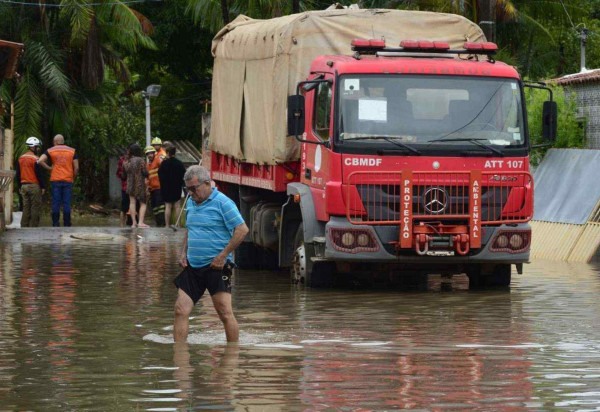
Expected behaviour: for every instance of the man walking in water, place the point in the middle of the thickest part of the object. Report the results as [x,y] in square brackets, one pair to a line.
[215,229]
[63,171]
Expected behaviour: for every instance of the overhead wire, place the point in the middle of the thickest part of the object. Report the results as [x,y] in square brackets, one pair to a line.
[39,4]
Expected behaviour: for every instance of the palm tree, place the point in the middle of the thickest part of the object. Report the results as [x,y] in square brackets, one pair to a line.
[213,14]
[68,47]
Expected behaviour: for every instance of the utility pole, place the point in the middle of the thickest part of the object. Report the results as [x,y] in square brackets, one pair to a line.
[151,91]
[583,35]
[487,18]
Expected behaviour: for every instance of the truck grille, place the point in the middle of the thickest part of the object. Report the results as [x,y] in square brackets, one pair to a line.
[383,197]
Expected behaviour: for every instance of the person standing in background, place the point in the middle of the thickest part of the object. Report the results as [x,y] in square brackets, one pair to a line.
[136,173]
[30,177]
[158,205]
[160,151]
[170,174]
[124,196]
[63,172]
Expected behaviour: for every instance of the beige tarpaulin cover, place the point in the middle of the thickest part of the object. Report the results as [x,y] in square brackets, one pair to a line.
[259,62]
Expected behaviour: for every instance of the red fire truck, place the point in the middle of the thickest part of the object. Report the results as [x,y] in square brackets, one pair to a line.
[412,156]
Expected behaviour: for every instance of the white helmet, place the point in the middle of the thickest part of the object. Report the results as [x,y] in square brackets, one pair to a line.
[33,141]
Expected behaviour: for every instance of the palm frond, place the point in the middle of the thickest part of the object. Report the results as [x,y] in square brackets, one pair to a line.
[145,23]
[79,14]
[206,13]
[539,26]
[46,62]
[28,108]
[117,65]
[123,27]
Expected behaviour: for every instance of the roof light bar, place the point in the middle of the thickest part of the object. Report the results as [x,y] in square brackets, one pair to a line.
[375,46]
[424,45]
[485,47]
[367,45]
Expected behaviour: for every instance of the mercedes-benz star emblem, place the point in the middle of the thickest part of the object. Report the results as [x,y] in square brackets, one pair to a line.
[435,200]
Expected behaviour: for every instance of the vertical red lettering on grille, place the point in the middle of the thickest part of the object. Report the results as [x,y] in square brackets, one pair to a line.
[406,211]
[475,209]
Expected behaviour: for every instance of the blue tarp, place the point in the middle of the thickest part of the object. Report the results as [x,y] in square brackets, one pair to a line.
[567,186]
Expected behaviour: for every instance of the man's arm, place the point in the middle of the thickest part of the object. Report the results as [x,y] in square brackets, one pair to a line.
[40,177]
[75,167]
[239,233]
[43,162]
[183,255]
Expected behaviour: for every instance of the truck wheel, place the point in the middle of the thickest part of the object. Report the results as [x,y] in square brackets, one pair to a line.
[482,276]
[303,270]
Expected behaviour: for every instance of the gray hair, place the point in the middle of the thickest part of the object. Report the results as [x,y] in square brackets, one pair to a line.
[197,171]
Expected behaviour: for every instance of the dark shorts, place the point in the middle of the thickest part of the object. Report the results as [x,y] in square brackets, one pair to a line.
[194,281]
[124,201]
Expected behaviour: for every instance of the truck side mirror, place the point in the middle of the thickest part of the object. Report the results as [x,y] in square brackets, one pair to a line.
[295,115]
[549,121]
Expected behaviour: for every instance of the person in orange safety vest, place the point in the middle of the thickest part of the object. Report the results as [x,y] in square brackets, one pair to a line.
[160,150]
[63,171]
[30,177]
[158,205]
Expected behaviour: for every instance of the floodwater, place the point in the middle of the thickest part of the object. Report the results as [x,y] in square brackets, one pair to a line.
[85,324]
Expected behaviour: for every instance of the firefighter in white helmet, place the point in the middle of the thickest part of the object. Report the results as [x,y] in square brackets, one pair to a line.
[32,181]
[160,151]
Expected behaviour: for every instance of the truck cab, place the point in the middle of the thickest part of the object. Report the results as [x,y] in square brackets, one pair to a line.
[414,160]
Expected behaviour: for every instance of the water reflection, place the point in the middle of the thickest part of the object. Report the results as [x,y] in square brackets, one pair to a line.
[87,326]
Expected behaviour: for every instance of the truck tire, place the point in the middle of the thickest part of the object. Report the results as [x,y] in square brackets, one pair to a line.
[317,274]
[489,276]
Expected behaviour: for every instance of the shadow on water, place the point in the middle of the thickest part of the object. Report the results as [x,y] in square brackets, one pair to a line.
[86,323]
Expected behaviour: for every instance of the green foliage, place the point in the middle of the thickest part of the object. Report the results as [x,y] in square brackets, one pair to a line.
[570,131]
[85,64]
[100,135]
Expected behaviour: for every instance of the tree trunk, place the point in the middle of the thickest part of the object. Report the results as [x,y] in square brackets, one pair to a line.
[225,11]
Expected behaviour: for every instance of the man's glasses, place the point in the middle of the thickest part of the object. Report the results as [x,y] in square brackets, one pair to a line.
[192,188]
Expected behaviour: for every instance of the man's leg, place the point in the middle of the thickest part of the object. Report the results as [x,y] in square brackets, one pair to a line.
[36,206]
[183,308]
[56,200]
[222,303]
[158,207]
[67,191]
[26,216]
[168,207]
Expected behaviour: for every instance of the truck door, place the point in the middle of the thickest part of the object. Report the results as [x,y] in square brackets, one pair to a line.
[319,103]
[316,158]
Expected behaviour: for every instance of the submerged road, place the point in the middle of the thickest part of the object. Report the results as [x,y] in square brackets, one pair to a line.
[86,315]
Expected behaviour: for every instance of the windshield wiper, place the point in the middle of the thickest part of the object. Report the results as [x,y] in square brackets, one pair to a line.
[389,139]
[475,141]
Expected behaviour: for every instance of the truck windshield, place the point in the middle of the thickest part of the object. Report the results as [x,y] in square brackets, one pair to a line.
[422,110]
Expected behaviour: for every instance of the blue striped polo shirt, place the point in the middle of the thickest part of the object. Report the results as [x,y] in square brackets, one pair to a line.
[210,225]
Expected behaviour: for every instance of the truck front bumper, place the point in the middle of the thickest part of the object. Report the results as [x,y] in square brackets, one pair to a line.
[384,250]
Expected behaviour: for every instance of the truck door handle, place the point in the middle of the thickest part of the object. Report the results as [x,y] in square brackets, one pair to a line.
[307,173]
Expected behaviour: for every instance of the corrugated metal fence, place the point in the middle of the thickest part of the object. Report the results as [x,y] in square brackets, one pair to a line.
[566,223]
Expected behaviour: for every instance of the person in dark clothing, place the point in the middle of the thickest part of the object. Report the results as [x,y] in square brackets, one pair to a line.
[170,174]
[31,179]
